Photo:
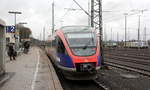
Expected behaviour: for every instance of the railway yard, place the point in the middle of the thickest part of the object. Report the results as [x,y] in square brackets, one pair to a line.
[128,69]
[130,59]
[132,66]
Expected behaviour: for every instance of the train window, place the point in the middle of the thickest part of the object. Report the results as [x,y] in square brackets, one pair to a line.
[81,39]
[82,44]
[60,48]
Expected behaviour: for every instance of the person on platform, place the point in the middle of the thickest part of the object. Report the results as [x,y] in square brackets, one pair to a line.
[26,47]
[11,51]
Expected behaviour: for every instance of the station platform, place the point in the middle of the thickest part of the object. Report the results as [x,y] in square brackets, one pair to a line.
[32,71]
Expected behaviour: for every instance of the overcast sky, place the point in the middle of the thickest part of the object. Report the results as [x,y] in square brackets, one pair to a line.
[37,13]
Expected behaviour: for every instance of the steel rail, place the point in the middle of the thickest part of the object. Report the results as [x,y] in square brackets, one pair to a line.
[104,87]
[132,60]
[130,68]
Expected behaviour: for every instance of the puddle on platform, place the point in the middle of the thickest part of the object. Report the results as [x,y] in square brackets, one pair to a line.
[129,76]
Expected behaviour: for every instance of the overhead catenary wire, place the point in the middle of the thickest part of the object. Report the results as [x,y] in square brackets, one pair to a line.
[84,10]
[119,18]
[81,7]
[103,11]
[67,11]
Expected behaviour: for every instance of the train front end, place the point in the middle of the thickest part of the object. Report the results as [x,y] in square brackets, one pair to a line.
[83,55]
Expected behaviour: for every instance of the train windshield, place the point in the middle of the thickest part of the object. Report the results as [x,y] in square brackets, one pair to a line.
[82,44]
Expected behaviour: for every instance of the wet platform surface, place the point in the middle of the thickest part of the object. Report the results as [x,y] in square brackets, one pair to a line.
[32,71]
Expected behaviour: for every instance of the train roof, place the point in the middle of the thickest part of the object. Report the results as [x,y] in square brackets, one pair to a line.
[70,29]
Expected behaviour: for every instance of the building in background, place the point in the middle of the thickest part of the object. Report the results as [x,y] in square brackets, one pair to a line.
[24,33]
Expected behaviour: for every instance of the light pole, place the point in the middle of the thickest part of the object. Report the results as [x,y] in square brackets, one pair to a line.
[117,37]
[89,18]
[53,18]
[44,37]
[111,36]
[125,28]
[139,23]
[145,33]
[16,31]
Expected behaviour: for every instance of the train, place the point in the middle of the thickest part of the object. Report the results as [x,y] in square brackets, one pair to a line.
[75,51]
[129,44]
[136,44]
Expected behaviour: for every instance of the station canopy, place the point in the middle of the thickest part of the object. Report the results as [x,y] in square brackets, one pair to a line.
[2,23]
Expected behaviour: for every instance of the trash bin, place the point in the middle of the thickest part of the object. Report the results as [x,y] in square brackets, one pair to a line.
[2,46]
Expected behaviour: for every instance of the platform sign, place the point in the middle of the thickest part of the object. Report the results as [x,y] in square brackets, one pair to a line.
[10,29]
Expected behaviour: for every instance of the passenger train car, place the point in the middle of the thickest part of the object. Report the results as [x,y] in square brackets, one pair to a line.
[75,51]
[136,44]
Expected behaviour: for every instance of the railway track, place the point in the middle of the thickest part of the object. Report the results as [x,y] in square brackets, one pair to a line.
[129,64]
[132,60]
[101,85]
[142,57]
[133,52]
[129,68]
[78,85]
[128,49]
[129,59]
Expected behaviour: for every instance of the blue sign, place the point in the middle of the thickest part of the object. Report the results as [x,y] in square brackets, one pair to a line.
[10,29]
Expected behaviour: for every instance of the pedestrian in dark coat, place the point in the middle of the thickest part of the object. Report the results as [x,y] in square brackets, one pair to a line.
[11,51]
[26,46]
